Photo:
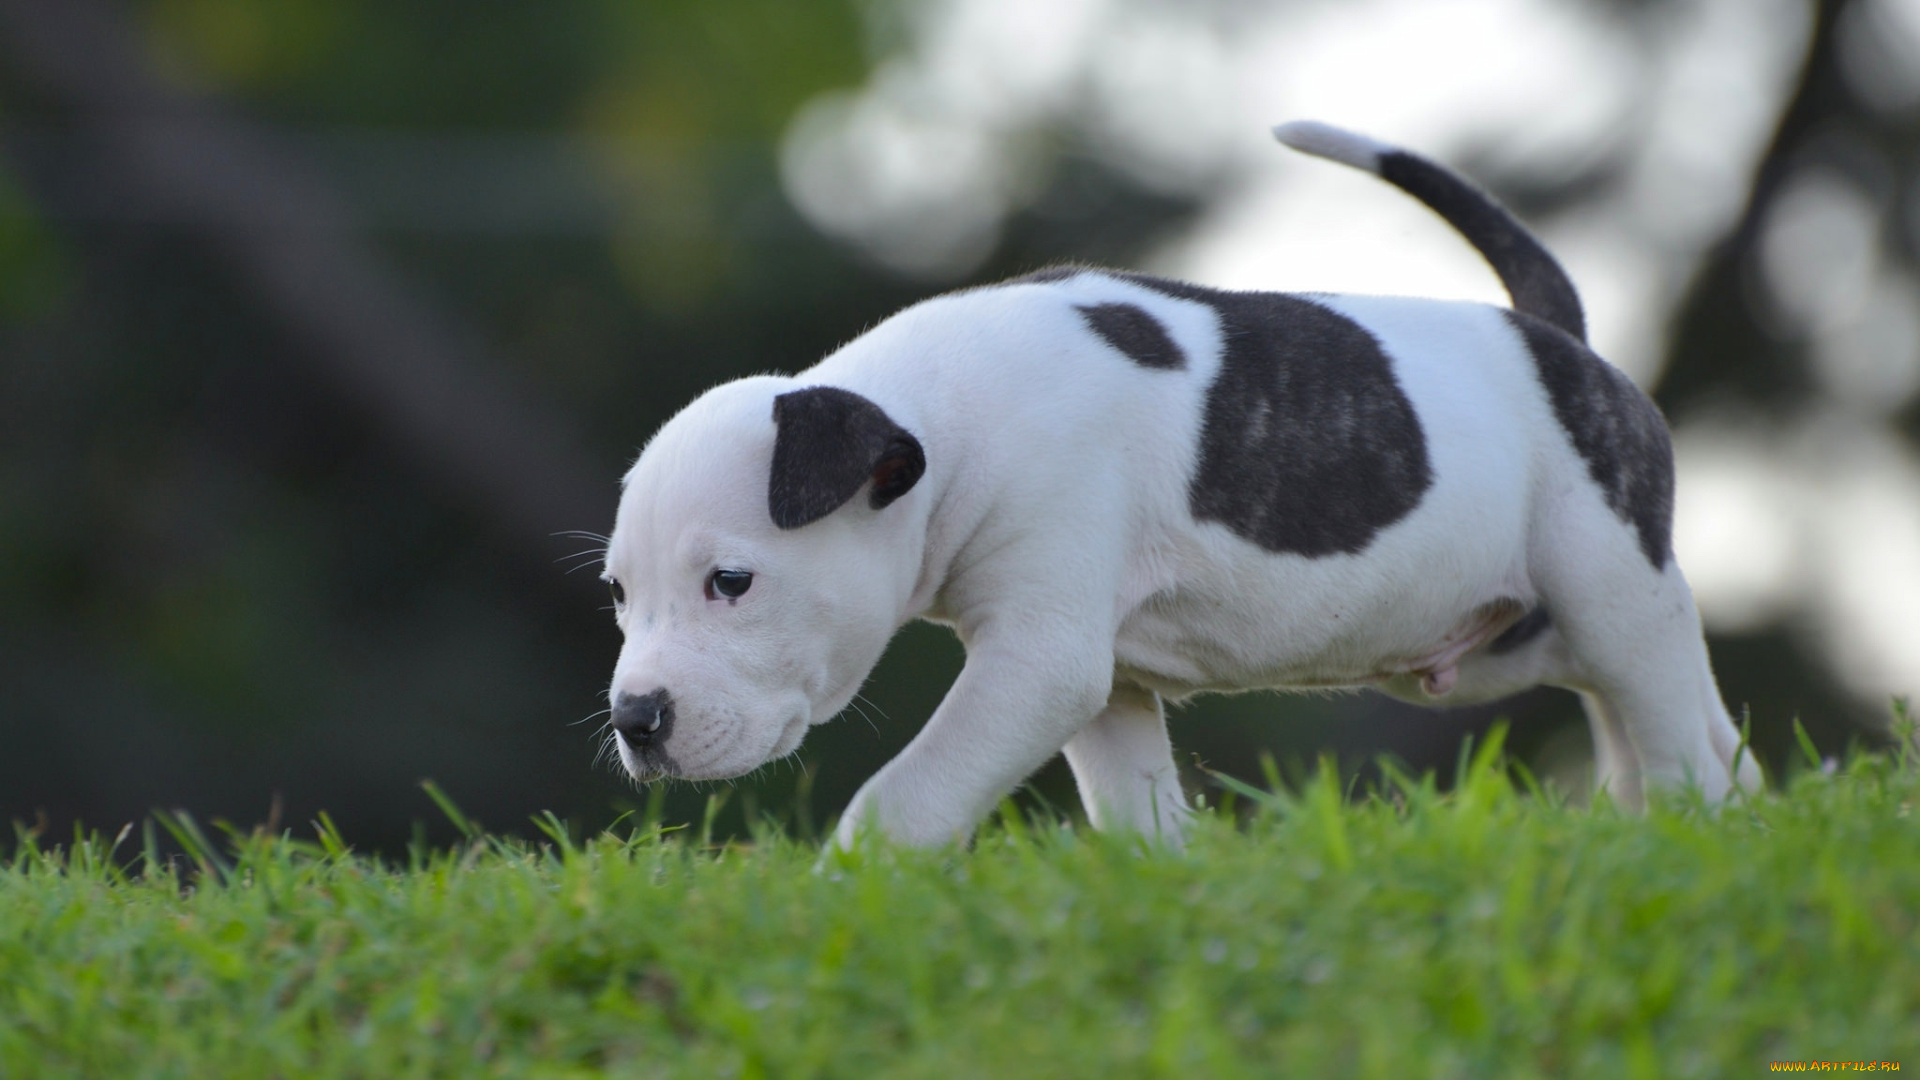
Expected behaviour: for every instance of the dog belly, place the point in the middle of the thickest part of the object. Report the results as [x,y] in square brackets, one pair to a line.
[1414,608]
[1178,659]
[1171,651]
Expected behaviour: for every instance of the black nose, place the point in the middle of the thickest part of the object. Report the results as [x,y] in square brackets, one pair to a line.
[643,720]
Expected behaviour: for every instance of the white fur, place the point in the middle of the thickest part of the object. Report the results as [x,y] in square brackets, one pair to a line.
[1332,143]
[1052,531]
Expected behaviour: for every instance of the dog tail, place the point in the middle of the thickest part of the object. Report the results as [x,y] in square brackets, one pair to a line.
[1533,278]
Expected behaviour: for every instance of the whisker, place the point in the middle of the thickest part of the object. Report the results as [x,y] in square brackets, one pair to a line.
[589,716]
[583,559]
[608,755]
[862,713]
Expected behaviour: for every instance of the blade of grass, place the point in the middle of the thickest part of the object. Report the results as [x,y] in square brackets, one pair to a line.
[331,841]
[468,828]
[1233,785]
[186,832]
[1904,728]
[1328,805]
[803,805]
[1806,744]
[1745,748]
[715,803]
[556,830]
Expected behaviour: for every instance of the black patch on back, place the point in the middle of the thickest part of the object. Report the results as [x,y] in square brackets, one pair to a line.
[1533,278]
[1130,329]
[1309,446]
[1616,429]
[830,443]
[1531,625]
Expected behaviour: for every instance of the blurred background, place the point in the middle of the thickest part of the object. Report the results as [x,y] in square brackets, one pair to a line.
[323,321]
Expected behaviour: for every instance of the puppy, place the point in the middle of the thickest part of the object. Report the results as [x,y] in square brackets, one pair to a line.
[1119,489]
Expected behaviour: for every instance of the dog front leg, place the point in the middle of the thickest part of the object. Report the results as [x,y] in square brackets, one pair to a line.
[1016,703]
[1123,765]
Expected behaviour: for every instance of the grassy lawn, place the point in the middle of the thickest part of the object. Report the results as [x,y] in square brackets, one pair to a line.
[1486,932]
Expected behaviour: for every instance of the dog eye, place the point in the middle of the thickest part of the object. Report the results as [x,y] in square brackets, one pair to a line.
[728,584]
[619,594]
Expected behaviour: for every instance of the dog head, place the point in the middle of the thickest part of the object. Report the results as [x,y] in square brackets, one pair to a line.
[765,550]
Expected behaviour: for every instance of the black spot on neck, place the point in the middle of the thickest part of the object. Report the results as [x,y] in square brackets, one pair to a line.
[1309,445]
[1130,329]
[1614,427]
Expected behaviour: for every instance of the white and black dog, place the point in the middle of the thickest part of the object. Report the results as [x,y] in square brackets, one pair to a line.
[1117,488]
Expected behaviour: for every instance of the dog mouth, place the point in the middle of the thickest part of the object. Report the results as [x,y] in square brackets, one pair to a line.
[790,737]
[717,743]
[646,763]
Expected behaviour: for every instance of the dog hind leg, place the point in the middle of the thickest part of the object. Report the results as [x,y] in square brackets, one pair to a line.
[1640,663]
[1616,768]
[1123,764]
[1486,676]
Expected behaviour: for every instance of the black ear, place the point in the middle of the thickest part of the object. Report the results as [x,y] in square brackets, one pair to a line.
[830,442]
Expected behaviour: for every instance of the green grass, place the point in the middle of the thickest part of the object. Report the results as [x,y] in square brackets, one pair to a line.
[1486,932]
